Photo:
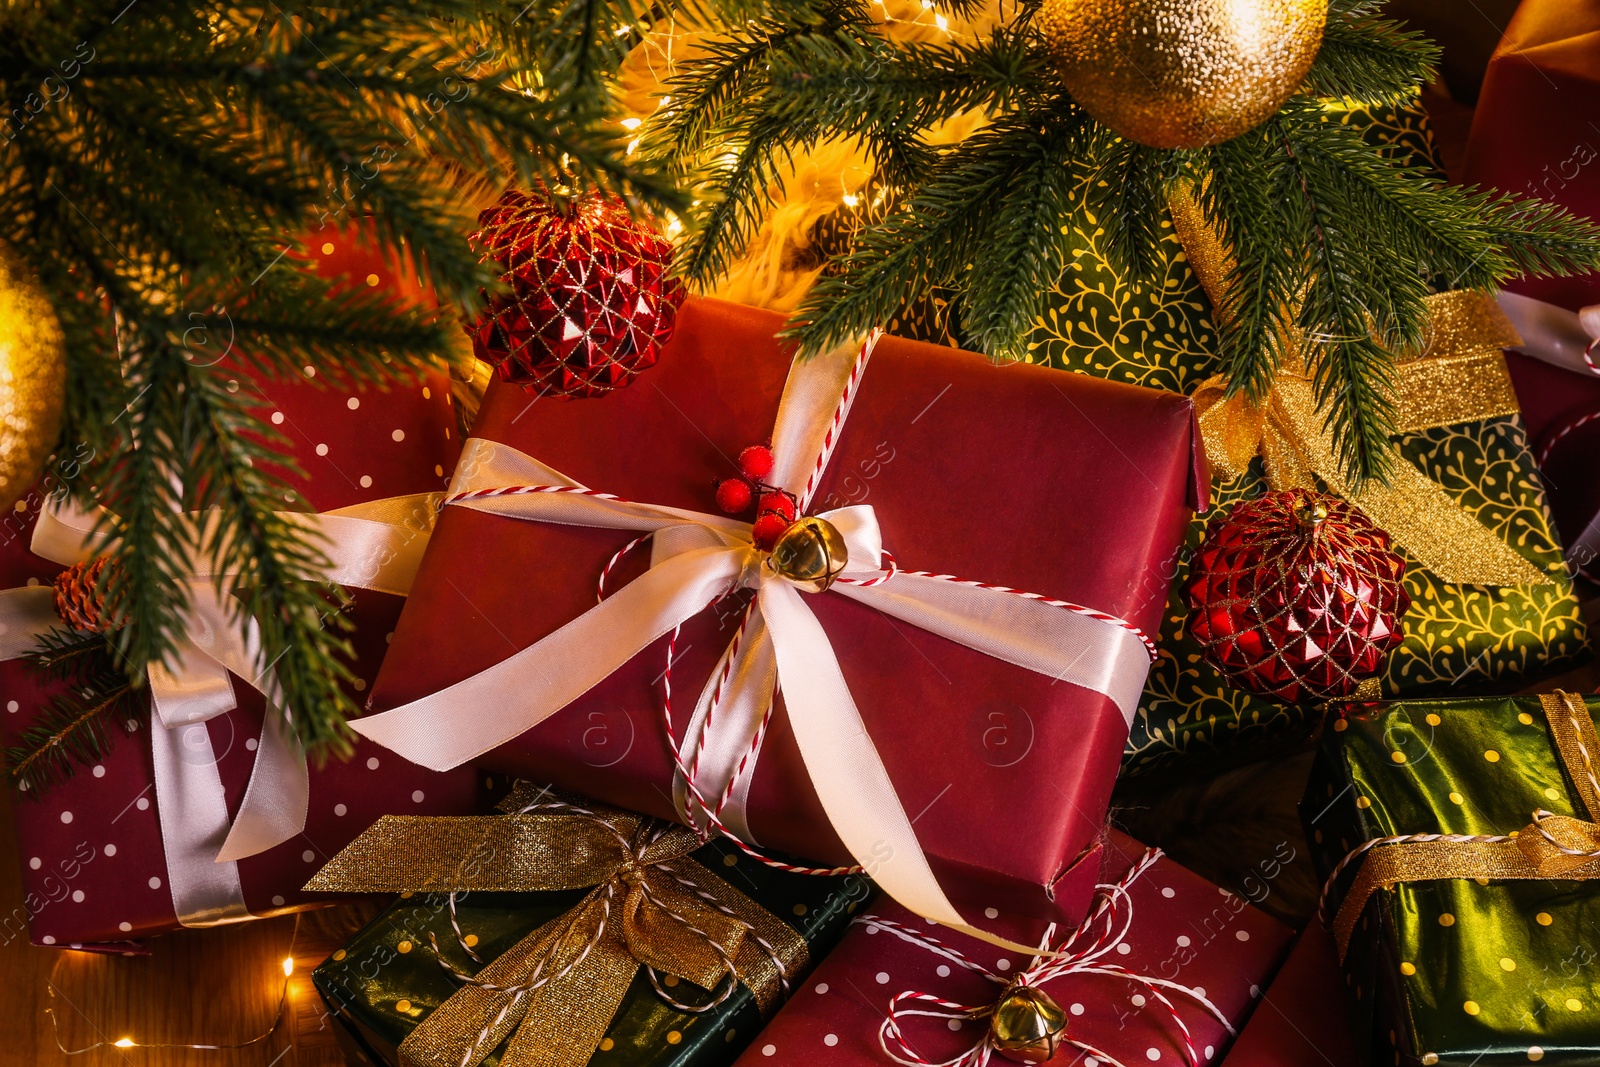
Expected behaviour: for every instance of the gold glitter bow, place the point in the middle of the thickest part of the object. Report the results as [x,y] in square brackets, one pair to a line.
[1461,377]
[555,992]
[1549,847]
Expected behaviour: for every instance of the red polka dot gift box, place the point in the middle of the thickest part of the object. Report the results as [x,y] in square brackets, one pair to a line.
[127,845]
[1164,971]
[912,644]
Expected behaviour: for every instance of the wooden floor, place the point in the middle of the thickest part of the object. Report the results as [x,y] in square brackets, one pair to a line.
[215,987]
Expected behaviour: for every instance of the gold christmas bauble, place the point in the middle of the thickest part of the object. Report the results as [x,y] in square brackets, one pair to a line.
[1182,73]
[811,553]
[33,379]
[1027,1025]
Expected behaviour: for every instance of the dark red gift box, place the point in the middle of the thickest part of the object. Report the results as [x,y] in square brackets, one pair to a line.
[94,868]
[1299,1021]
[1183,930]
[1055,483]
[1533,133]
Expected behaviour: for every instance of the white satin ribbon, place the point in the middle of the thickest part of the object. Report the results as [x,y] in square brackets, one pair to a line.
[699,558]
[1553,334]
[1562,339]
[376,545]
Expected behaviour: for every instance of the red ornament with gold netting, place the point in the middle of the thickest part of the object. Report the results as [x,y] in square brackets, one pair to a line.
[1296,595]
[590,302]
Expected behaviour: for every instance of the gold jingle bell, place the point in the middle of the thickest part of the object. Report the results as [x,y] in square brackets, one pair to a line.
[1027,1025]
[811,553]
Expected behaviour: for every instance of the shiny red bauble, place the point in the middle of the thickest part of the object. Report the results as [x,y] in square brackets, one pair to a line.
[1296,595]
[589,303]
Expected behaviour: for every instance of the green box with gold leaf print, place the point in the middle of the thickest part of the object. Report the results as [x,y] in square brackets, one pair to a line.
[1460,639]
[383,982]
[1466,969]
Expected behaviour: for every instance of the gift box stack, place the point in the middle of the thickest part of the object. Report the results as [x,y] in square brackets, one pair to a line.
[807,723]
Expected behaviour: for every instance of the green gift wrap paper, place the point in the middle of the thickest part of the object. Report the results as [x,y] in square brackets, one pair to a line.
[1460,971]
[388,978]
[1458,638]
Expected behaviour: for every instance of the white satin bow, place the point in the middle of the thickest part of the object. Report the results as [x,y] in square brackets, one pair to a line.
[376,545]
[699,558]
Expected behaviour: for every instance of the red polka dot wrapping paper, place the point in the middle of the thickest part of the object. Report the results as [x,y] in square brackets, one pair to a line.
[1184,930]
[1062,485]
[91,848]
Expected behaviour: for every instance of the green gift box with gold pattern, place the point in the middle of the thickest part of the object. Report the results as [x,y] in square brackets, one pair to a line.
[1462,842]
[1471,629]
[645,949]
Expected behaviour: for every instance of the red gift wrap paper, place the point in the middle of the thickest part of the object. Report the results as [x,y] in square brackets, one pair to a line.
[1298,1022]
[94,873]
[1184,930]
[1018,475]
[1533,133]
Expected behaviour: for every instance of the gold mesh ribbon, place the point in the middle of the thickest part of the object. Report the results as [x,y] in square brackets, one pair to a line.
[1550,847]
[555,992]
[1459,376]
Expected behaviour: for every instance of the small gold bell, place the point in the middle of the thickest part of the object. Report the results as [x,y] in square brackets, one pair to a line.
[811,553]
[1027,1025]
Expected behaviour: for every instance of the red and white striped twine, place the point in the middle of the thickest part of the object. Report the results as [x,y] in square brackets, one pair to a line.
[1569,427]
[1106,923]
[835,424]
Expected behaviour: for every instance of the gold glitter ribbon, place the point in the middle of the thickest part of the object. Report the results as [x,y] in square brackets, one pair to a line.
[1459,376]
[1551,847]
[556,991]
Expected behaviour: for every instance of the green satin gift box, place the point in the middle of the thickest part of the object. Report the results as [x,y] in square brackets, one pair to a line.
[1460,637]
[388,978]
[1480,947]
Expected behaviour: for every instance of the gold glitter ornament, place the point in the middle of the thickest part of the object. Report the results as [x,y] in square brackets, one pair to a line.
[33,379]
[1182,73]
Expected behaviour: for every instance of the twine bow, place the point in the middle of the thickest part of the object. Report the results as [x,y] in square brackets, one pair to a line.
[1461,376]
[1550,847]
[556,991]
[1086,950]
[376,545]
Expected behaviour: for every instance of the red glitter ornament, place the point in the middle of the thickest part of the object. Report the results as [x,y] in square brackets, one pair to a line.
[1296,595]
[733,495]
[755,462]
[590,303]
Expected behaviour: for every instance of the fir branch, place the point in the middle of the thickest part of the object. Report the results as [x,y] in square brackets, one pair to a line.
[1370,59]
[1128,198]
[1014,267]
[934,234]
[1244,196]
[73,730]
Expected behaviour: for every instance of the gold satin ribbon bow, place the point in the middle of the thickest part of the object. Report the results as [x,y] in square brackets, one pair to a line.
[1460,377]
[1551,847]
[555,992]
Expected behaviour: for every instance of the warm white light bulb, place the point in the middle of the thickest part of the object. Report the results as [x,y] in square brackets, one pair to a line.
[123,1042]
[288,966]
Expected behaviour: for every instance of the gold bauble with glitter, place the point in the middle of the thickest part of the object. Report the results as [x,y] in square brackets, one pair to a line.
[1027,1025]
[33,379]
[811,553]
[1182,73]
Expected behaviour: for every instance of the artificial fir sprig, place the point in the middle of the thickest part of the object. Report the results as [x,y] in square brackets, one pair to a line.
[76,727]
[1334,241]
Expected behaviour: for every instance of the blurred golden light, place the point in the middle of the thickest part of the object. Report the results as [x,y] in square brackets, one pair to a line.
[288,966]
[123,1042]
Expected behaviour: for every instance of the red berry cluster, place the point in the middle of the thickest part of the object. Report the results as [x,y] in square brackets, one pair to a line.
[776,508]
